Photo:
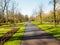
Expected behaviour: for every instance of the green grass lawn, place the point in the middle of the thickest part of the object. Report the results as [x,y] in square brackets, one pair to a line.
[49,29]
[17,37]
[4,30]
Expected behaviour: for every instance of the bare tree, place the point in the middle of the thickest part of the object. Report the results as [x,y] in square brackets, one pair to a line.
[3,6]
[54,13]
[55,2]
[40,13]
[7,5]
[13,9]
[34,14]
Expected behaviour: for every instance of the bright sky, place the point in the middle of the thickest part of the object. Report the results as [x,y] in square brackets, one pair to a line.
[27,6]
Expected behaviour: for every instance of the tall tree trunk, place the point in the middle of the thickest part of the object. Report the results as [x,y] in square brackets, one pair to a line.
[54,13]
[13,6]
[7,14]
[40,17]
[41,14]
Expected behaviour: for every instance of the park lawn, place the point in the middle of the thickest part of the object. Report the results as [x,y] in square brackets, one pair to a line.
[4,30]
[49,29]
[17,37]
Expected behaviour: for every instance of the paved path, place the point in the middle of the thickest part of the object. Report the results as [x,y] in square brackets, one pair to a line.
[35,36]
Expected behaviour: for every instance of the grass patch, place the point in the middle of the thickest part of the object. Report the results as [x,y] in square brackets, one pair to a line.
[17,37]
[4,30]
[49,29]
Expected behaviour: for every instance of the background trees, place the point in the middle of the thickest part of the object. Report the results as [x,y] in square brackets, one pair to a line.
[11,15]
[52,17]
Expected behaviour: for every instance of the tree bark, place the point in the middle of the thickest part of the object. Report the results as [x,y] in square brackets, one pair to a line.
[54,13]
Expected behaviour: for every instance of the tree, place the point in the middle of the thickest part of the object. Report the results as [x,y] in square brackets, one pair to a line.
[26,18]
[55,2]
[40,14]
[31,18]
[3,5]
[54,13]
[7,5]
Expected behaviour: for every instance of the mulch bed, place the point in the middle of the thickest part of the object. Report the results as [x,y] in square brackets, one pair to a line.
[7,36]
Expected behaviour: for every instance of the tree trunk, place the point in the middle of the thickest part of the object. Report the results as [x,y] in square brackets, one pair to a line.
[54,13]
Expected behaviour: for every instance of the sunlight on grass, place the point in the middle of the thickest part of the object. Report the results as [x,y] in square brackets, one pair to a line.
[4,30]
[17,37]
[49,29]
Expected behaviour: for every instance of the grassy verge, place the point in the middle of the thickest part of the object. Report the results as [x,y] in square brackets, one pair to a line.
[17,37]
[49,29]
[4,30]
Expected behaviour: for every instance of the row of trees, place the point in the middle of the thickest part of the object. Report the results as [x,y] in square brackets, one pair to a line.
[11,15]
[13,18]
[53,16]
[17,17]
[49,17]
[7,15]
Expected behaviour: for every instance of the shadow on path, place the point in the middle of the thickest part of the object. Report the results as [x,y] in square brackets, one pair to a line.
[35,36]
[39,36]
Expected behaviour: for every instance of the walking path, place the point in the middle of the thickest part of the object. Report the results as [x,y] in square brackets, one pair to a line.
[35,36]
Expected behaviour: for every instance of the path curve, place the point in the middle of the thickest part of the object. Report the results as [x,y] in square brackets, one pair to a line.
[35,36]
